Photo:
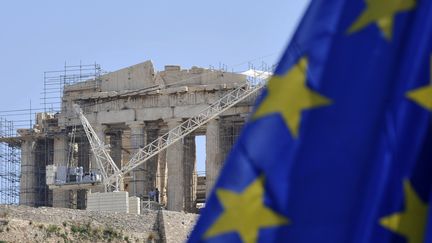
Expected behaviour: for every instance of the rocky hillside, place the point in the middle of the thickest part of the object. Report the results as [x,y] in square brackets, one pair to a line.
[26,224]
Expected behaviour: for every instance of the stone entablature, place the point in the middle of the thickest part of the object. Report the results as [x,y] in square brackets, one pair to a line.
[115,102]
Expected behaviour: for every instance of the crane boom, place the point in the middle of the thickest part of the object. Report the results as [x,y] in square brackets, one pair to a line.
[112,176]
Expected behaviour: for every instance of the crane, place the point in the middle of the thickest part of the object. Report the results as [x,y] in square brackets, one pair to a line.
[112,176]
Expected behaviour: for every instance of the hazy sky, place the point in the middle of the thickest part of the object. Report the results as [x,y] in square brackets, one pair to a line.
[38,36]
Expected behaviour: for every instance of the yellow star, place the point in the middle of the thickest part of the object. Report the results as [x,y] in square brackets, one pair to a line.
[423,95]
[382,13]
[289,96]
[245,213]
[412,222]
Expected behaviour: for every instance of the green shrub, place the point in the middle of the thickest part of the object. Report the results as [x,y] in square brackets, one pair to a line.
[126,238]
[53,228]
[83,230]
[110,233]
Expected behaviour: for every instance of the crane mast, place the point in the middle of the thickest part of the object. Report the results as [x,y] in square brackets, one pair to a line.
[105,163]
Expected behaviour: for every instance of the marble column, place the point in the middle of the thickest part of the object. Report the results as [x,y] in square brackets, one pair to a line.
[162,176]
[189,173]
[116,147]
[175,187]
[60,196]
[229,130]
[28,177]
[83,160]
[213,154]
[136,187]
[150,165]
[126,155]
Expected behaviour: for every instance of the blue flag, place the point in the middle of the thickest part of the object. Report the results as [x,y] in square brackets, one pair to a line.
[339,146]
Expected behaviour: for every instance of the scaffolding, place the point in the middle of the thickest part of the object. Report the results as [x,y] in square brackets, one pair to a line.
[56,81]
[35,120]
[10,157]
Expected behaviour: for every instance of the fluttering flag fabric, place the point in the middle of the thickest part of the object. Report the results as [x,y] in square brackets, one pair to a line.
[339,145]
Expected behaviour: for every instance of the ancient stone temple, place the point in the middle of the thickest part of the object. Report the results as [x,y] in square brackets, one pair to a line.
[128,109]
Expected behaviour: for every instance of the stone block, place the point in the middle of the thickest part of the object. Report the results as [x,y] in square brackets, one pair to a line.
[108,202]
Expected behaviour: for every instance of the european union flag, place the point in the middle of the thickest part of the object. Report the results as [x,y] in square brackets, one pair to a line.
[339,147]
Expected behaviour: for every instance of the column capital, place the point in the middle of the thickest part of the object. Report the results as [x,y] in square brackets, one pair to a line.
[173,122]
[216,118]
[214,121]
[135,124]
[100,127]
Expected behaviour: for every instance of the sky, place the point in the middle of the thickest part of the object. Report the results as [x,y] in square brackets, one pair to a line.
[39,36]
